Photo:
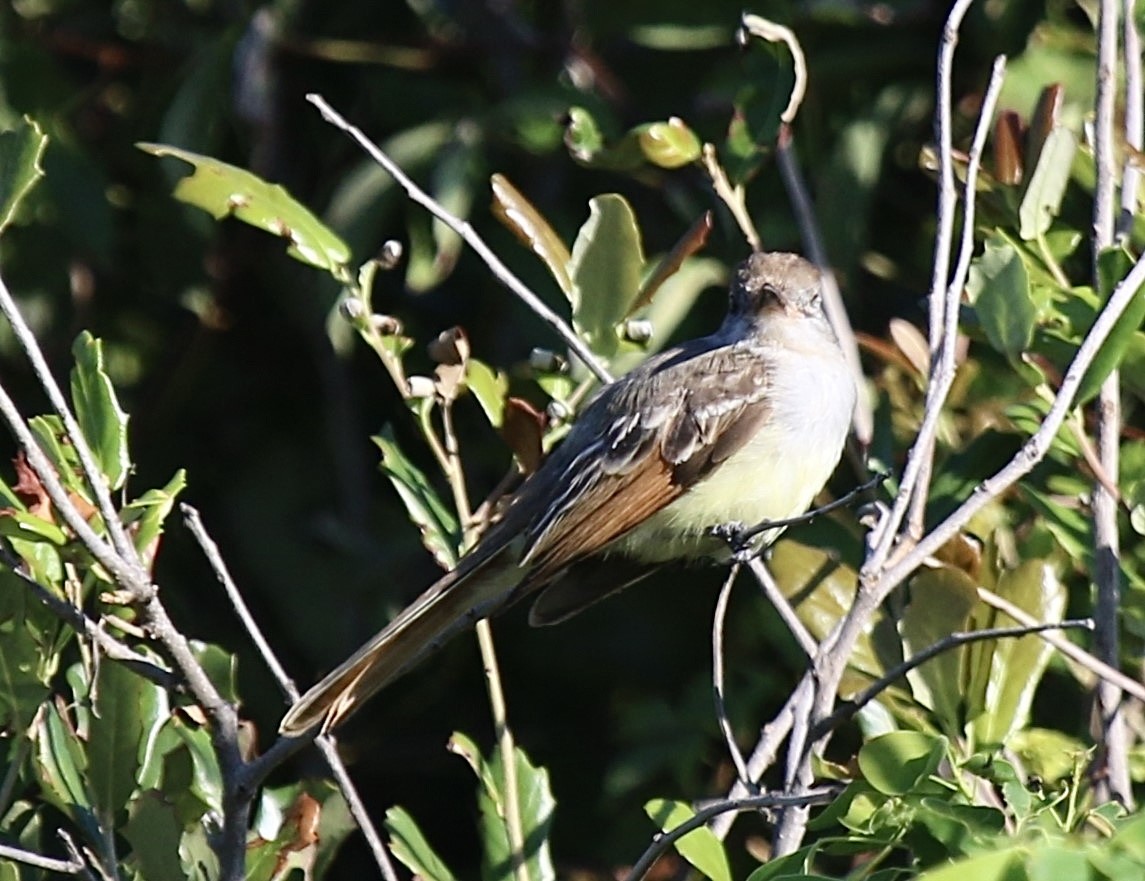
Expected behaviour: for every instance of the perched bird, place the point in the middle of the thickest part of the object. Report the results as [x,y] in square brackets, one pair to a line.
[742,426]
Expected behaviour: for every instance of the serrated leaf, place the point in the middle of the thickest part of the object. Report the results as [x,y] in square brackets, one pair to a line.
[606,266]
[101,419]
[532,229]
[999,288]
[1113,264]
[126,709]
[438,526]
[1043,196]
[409,846]
[147,513]
[489,387]
[225,190]
[700,847]
[900,762]
[20,152]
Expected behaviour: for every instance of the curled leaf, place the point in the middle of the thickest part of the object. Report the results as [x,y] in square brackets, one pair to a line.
[528,224]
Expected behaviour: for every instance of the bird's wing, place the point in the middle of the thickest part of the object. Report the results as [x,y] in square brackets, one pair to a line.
[661,434]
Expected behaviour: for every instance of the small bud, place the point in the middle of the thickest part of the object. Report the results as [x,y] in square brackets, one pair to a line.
[420,387]
[386,325]
[637,330]
[557,411]
[391,254]
[351,308]
[547,361]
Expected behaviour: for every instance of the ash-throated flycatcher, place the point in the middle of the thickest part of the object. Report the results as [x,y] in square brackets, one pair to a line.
[742,426]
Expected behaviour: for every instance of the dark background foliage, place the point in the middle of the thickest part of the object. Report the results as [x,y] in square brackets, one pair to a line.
[219,343]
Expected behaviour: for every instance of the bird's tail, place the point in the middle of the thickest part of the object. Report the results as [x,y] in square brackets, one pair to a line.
[457,600]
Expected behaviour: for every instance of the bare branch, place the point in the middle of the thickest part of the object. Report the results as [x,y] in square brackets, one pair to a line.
[500,271]
[662,841]
[783,607]
[849,707]
[735,197]
[768,30]
[28,858]
[718,674]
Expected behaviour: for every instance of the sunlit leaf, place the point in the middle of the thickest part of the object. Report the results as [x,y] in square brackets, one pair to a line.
[900,762]
[999,288]
[225,190]
[438,526]
[1043,196]
[668,144]
[20,152]
[409,845]
[700,847]
[606,265]
[146,514]
[101,419]
[1113,264]
[533,230]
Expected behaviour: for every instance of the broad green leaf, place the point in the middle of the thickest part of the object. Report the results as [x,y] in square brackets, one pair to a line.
[532,229]
[1050,754]
[154,832]
[146,514]
[409,845]
[1113,265]
[206,779]
[20,152]
[489,387]
[1015,666]
[940,603]
[126,709]
[997,865]
[606,267]
[534,800]
[1043,196]
[1054,862]
[220,666]
[900,762]
[438,526]
[62,767]
[999,288]
[225,190]
[101,419]
[700,847]
[791,864]
[26,657]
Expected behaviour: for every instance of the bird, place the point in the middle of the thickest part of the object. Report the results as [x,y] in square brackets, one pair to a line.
[742,426]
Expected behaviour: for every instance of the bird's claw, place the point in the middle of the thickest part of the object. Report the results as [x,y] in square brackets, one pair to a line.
[738,539]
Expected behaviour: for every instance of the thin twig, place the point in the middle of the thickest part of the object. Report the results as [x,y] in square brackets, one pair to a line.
[772,32]
[500,271]
[945,294]
[849,707]
[254,772]
[1112,782]
[1134,117]
[863,419]
[28,858]
[662,841]
[733,196]
[783,607]
[718,674]
[119,538]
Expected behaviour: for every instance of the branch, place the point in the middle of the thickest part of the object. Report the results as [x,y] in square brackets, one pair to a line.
[664,840]
[500,271]
[848,708]
[72,866]
[718,675]
[254,772]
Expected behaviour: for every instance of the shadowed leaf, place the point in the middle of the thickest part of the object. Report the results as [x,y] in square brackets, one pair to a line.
[20,152]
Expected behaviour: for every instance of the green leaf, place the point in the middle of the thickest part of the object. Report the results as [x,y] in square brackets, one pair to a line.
[535,803]
[1054,862]
[489,387]
[700,847]
[224,190]
[146,514]
[20,524]
[127,709]
[606,266]
[454,182]
[668,144]
[27,659]
[20,152]
[440,533]
[999,288]
[999,704]
[532,229]
[1043,196]
[1113,264]
[1050,754]
[409,845]
[101,419]
[220,666]
[897,763]
[61,772]
[940,603]
[154,832]
[205,781]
